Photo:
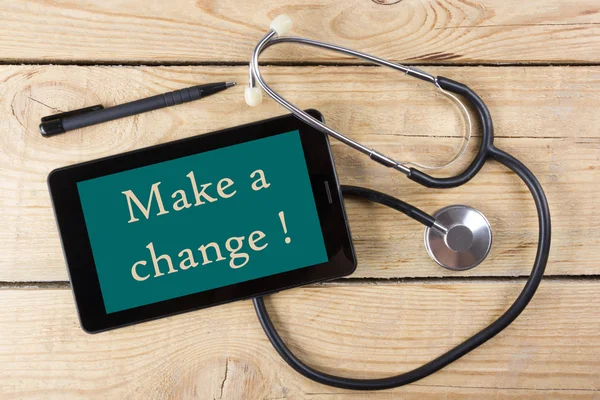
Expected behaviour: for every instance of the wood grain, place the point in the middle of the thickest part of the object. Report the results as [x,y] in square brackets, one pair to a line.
[545,116]
[416,31]
[353,330]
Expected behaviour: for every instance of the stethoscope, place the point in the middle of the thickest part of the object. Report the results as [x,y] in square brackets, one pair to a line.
[457,237]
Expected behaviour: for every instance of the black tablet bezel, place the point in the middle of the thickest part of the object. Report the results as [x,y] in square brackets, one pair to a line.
[68,211]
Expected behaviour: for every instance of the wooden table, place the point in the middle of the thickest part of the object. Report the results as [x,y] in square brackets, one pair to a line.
[535,64]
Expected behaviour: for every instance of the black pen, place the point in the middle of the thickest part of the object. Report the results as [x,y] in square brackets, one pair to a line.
[67,121]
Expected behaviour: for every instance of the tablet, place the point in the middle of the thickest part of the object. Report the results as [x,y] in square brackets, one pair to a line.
[201,221]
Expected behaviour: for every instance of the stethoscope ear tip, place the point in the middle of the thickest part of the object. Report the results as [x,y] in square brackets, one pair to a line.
[282,24]
[253,96]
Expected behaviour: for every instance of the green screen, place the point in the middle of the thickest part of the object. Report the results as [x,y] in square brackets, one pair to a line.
[201,222]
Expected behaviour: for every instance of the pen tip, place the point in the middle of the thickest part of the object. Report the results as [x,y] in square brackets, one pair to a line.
[229,84]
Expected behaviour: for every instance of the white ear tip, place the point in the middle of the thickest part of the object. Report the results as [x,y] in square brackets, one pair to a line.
[282,24]
[253,96]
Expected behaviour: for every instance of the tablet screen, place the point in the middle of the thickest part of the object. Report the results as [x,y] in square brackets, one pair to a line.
[202,222]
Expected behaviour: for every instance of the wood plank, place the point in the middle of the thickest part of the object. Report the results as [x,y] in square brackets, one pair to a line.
[545,116]
[450,31]
[553,349]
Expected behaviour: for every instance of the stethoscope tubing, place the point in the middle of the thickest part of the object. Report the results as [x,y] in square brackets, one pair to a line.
[465,347]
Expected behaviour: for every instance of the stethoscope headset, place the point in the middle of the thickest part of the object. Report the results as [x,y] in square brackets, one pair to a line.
[456,237]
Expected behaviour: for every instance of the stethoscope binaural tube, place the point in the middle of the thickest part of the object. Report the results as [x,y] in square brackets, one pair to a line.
[253,96]
[486,150]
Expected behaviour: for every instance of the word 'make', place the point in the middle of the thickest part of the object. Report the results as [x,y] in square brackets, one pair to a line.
[204,194]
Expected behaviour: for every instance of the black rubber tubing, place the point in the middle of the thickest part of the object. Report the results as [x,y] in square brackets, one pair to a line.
[392,202]
[544,238]
[487,141]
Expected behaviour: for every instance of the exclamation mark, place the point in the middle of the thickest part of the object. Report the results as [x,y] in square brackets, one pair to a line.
[282,219]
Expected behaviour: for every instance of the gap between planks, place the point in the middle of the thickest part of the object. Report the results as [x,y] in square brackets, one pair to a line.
[125,63]
[44,285]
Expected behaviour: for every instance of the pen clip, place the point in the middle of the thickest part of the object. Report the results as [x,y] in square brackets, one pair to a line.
[52,124]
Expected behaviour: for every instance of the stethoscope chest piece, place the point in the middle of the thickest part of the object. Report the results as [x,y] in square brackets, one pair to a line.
[467,242]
